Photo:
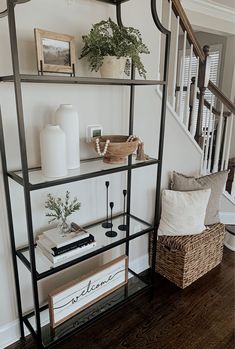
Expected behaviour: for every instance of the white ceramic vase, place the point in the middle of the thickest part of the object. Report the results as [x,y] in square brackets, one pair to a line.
[53,151]
[113,67]
[67,117]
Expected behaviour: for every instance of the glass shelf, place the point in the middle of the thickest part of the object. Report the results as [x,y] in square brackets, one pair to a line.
[44,267]
[59,79]
[113,2]
[51,336]
[89,168]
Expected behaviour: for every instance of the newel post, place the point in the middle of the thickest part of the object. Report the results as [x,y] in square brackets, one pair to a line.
[204,73]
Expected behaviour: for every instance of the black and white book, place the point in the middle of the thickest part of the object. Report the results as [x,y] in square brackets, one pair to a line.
[59,240]
[58,251]
[46,246]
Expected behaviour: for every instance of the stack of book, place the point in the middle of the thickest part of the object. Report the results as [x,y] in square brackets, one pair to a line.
[59,249]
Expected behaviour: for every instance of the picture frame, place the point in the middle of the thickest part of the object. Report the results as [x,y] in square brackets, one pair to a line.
[77,295]
[55,52]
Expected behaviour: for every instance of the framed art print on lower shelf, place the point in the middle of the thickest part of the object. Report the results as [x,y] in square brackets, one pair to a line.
[79,294]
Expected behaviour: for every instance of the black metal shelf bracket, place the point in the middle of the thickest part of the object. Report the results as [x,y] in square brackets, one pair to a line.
[4,13]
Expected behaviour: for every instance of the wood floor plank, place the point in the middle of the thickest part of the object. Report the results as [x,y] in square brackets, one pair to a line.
[200,317]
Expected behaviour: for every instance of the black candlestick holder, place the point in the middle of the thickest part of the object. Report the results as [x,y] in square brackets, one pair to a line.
[123,226]
[111,233]
[107,224]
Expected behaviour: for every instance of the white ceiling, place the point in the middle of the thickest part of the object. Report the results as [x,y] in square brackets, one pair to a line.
[228,3]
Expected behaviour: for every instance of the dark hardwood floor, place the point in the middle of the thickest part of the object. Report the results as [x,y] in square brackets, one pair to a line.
[200,317]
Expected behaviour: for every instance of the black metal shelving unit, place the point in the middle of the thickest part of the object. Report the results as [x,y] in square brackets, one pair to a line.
[32,179]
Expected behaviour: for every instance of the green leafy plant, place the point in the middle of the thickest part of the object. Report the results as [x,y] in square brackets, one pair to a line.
[60,210]
[106,38]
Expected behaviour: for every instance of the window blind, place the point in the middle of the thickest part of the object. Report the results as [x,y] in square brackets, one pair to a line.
[214,76]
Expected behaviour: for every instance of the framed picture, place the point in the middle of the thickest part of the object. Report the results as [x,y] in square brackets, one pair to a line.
[79,294]
[55,52]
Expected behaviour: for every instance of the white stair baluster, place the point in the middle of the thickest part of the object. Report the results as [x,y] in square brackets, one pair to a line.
[208,136]
[222,166]
[169,16]
[230,128]
[187,111]
[193,126]
[218,140]
[204,142]
[233,187]
[180,107]
[211,144]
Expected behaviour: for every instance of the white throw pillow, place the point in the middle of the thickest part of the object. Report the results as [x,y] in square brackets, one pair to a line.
[183,213]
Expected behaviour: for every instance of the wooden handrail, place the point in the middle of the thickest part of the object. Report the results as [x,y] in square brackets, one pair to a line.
[221,96]
[185,25]
[207,104]
[214,110]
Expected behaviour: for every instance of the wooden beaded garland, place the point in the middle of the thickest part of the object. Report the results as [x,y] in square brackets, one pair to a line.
[97,141]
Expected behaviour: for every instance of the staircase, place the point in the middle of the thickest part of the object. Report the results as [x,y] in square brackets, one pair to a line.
[209,122]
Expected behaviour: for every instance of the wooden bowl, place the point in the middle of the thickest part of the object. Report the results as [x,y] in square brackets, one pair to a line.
[118,149]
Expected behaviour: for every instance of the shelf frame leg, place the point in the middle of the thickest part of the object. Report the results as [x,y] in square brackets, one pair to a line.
[11,226]
[157,215]
[24,161]
[131,126]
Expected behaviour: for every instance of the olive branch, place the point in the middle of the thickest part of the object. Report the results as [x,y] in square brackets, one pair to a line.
[59,209]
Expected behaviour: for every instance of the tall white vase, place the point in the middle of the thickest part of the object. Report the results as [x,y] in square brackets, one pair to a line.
[67,117]
[53,151]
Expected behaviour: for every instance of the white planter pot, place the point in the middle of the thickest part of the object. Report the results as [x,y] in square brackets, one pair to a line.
[53,151]
[67,118]
[113,67]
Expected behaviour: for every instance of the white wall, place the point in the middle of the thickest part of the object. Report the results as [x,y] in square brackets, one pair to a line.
[211,16]
[105,105]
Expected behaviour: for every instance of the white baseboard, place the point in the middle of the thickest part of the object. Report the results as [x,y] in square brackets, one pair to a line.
[140,264]
[227,217]
[229,197]
[9,334]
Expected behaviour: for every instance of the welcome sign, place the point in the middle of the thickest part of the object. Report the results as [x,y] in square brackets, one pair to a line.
[83,292]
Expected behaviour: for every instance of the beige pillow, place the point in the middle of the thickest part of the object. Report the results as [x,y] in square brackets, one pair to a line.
[183,213]
[215,182]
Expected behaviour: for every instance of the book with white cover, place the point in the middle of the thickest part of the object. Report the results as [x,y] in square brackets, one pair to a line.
[43,263]
[58,240]
[45,246]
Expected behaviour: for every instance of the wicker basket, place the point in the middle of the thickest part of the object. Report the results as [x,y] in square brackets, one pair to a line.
[184,259]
